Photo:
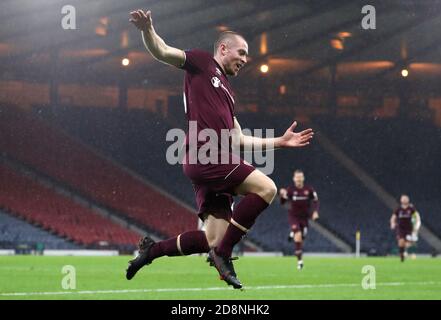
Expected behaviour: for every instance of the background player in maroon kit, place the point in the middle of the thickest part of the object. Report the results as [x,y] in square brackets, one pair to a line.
[402,220]
[303,205]
[209,101]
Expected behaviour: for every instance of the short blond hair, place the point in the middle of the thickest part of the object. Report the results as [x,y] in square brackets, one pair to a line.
[224,36]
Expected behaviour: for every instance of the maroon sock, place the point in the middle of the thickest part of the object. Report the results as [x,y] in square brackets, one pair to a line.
[245,214]
[299,251]
[402,253]
[190,242]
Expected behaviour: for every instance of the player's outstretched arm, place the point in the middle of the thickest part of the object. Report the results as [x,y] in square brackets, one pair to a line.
[154,43]
[283,195]
[290,139]
[315,205]
[393,221]
[417,224]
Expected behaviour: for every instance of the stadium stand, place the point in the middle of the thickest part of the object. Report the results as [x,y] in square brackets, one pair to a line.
[15,232]
[51,151]
[397,156]
[43,207]
[346,204]
[136,138]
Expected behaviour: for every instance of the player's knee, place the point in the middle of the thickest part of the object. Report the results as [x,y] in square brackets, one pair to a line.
[268,191]
[213,240]
[212,243]
[210,240]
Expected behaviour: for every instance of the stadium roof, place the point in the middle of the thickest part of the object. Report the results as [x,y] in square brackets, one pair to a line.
[298,37]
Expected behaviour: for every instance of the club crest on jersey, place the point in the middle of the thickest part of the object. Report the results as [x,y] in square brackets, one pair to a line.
[215,82]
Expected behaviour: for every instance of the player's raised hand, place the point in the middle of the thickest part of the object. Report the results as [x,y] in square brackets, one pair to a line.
[142,20]
[293,139]
[283,193]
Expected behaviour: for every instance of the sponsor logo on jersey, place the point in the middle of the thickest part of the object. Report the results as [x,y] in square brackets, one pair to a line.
[404,214]
[215,82]
[298,198]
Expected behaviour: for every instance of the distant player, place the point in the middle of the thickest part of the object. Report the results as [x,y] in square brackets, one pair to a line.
[209,103]
[303,205]
[406,221]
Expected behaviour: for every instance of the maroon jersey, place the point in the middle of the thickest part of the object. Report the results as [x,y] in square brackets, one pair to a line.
[404,217]
[209,101]
[303,201]
[208,97]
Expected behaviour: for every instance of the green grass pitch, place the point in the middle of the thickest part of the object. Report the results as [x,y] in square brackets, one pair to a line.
[40,277]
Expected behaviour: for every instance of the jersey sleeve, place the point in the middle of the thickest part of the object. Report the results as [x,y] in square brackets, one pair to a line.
[196,60]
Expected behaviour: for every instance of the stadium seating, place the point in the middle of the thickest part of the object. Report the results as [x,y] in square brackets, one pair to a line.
[402,155]
[137,137]
[54,212]
[346,204]
[52,152]
[16,232]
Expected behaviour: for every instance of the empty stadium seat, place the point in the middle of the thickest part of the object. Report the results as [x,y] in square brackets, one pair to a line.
[55,153]
[44,207]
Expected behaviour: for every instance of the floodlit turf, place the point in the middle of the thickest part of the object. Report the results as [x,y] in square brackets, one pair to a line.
[40,277]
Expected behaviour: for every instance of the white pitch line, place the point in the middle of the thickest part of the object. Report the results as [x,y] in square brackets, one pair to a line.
[297,286]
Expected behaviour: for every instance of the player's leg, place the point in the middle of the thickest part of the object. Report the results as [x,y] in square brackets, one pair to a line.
[215,229]
[258,191]
[190,242]
[402,248]
[298,241]
[411,248]
[186,243]
[407,245]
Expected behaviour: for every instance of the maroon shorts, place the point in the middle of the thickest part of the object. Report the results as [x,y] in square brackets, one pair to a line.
[214,185]
[299,225]
[403,233]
